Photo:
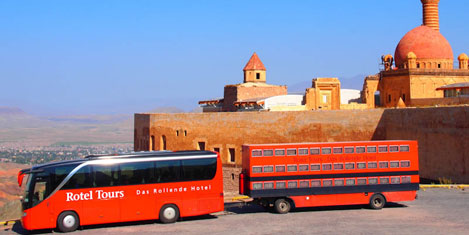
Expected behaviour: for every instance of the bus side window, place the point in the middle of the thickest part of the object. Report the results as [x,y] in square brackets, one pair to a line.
[81,179]
[199,169]
[136,173]
[168,171]
[105,175]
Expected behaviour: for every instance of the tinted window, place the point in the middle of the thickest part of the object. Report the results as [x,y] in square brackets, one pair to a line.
[81,179]
[339,182]
[372,165]
[315,183]
[257,186]
[304,167]
[337,150]
[360,149]
[314,151]
[405,163]
[404,148]
[280,168]
[105,175]
[168,171]
[349,166]
[137,173]
[315,167]
[373,181]
[269,185]
[395,180]
[268,153]
[292,184]
[302,151]
[361,165]
[280,185]
[393,148]
[394,164]
[291,152]
[268,169]
[292,168]
[326,167]
[199,169]
[405,179]
[384,180]
[361,181]
[371,149]
[326,151]
[383,164]
[58,174]
[256,169]
[338,166]
[256,153]
[326,183]
[350,182]
[280,152]
[383,149]
[304,183]
[349,150]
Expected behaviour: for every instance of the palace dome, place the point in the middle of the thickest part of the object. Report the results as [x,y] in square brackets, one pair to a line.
[426,43]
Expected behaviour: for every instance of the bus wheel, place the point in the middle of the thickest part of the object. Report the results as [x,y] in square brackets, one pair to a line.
[68,221]
[282,206]
[377,201]
[169,214]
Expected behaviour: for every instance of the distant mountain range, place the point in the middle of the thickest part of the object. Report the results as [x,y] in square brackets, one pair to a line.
[17,126]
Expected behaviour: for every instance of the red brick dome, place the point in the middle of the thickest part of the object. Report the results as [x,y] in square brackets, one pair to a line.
[426,43]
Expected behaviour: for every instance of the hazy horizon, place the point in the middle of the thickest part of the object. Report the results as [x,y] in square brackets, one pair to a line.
[123,57]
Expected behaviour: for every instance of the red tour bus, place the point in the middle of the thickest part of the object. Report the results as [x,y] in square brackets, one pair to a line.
[160,185]
[327,174]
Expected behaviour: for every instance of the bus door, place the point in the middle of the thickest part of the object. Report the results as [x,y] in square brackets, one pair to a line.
[41,212]
[105,205]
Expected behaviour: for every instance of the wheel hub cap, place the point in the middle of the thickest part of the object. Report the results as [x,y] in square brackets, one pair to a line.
[169,213]
[69,221]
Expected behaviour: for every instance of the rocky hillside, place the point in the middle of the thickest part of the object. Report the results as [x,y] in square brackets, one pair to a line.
[9,191]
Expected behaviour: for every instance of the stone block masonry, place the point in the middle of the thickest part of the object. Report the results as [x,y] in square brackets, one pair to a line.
[443,133]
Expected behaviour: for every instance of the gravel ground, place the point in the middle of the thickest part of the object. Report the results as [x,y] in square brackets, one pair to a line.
[437,211]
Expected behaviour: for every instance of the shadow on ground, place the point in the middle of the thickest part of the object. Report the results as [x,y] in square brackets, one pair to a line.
[230,208]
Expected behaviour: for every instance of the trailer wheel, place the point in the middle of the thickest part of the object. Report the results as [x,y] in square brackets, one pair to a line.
[67,221]
[377,201]
[169,214]
[282,206]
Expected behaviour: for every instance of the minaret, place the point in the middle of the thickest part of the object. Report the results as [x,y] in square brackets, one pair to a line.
[430,14]
[254,71]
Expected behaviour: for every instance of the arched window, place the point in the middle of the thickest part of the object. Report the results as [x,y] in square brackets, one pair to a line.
[163,142]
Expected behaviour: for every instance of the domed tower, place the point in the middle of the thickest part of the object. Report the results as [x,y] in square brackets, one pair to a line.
[433,51]
[424,62]
[254,71]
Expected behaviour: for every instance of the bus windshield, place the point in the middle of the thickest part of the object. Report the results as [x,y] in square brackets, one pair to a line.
[41,183]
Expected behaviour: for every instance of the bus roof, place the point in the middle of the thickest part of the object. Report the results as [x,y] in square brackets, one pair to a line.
[146,154]
[336,142]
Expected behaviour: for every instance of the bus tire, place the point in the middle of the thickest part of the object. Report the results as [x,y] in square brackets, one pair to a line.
[377,201]
[169,214]
[68,221]
[282,206]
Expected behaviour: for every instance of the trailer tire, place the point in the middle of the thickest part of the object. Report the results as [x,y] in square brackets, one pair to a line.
[377,201]
[282,206]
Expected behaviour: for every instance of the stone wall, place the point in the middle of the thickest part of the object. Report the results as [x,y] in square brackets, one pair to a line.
[443,137]
[439,101]
[443,133]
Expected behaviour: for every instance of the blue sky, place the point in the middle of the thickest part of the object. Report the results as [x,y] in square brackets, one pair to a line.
[114,57]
